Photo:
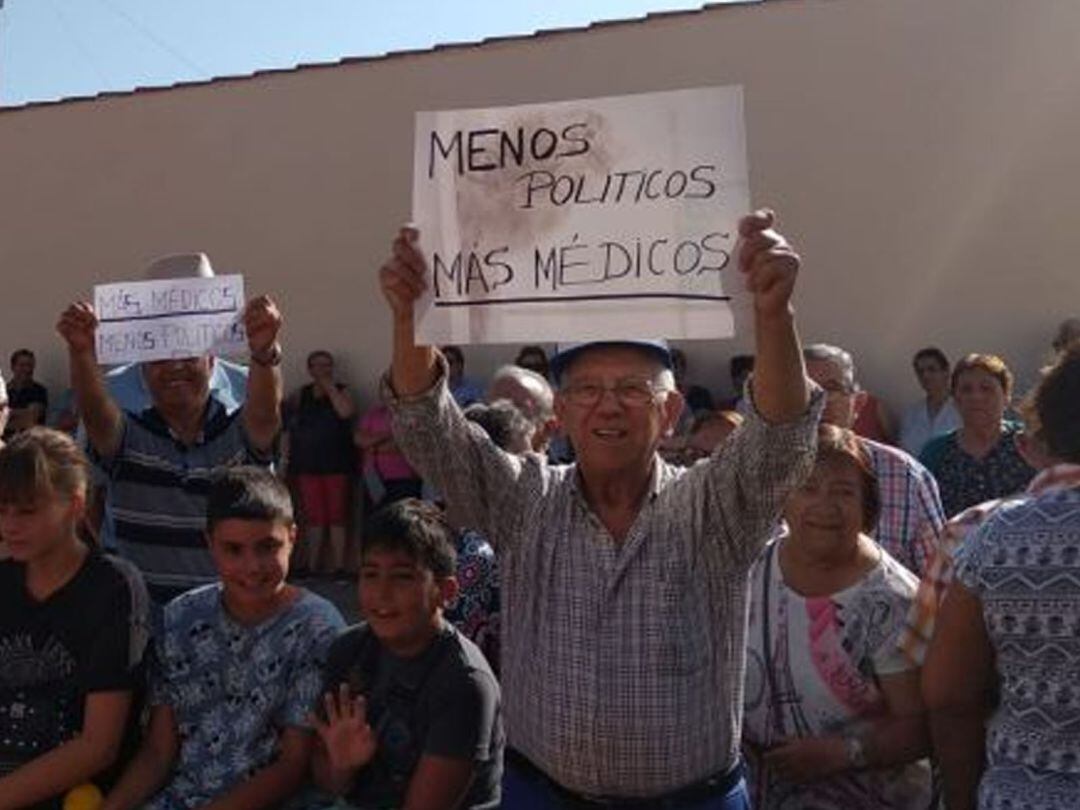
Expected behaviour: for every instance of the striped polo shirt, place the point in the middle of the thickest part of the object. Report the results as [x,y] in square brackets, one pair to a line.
[158,488]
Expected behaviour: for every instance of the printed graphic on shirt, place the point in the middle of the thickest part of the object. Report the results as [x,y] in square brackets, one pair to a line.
[35,713]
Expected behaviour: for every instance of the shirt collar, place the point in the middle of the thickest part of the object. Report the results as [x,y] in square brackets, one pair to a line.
[657,479]
[214,416]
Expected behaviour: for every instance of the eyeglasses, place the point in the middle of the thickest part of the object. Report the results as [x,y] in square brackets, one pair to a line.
[833,388]
[631,393]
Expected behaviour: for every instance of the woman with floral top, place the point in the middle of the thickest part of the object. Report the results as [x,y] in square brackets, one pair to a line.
[980,460]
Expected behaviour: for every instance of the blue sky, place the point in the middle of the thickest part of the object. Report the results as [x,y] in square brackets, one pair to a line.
[53,49]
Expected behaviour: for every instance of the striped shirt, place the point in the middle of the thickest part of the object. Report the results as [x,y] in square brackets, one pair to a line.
[622,663]
[157,491]
[911,514]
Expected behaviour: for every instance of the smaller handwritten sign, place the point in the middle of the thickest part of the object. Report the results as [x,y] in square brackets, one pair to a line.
[140,321]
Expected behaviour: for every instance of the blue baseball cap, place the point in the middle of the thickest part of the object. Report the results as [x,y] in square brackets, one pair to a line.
[566,352]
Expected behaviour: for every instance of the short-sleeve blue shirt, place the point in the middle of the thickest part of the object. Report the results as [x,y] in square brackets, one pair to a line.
[234,688]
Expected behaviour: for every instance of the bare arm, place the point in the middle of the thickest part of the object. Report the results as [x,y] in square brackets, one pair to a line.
[439,783]
[151,766]
[262,406]
[957,684]
[902,735]
[100,413]
[894,739]
[277,781]
[340,399]
[770,266]
[336,781]
[75,762]
[403,279]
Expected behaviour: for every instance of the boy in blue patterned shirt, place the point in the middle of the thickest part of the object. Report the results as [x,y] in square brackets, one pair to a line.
[238,666]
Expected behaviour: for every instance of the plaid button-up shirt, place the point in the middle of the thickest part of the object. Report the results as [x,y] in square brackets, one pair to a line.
[911,514]
[914,640]
[622,665]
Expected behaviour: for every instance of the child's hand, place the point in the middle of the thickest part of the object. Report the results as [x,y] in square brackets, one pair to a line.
[348,739]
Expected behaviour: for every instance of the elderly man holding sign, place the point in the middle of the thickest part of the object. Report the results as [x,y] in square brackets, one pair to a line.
[159,461]
[624,578]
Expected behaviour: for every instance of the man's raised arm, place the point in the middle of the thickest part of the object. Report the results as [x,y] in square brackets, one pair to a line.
[262,406]
[403,279]
[769,265]
[101,415]
[474,476]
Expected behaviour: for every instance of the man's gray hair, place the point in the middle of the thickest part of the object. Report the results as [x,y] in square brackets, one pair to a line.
[546,401]
[666,379]
[835,355]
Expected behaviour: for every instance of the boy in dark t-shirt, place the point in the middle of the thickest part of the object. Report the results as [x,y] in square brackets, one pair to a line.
[412,709]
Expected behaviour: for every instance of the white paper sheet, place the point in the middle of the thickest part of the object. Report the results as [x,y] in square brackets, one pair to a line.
[581,220]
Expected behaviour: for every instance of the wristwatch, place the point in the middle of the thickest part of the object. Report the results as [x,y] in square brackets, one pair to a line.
[856,751]
[268,357]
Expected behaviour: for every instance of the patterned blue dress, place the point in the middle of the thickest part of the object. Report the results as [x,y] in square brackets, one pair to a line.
[1024,566]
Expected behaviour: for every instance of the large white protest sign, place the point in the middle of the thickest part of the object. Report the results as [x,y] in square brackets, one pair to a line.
[581,220]
[172,318]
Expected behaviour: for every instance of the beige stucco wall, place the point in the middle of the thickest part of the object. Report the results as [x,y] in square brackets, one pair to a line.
[923,155]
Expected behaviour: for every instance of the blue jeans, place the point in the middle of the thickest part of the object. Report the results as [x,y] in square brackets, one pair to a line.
[524,791]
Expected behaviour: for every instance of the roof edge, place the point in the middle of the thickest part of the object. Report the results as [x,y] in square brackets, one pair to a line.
[382,57]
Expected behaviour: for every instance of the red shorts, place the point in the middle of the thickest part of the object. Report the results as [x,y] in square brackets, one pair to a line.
[324,499]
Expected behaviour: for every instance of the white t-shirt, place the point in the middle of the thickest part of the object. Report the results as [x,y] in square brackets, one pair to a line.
[917,427]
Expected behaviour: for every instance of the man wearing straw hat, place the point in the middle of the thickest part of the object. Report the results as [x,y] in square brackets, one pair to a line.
[159,460]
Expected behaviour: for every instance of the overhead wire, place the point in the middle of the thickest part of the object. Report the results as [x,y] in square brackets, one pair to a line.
[70,30]
[158,40]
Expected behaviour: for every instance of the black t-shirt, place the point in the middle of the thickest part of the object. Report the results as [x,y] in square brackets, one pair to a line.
[28,395]
[320,441]
[444,702]
[89,636]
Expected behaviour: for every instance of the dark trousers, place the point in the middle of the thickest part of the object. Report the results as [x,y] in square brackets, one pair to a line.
[525,788]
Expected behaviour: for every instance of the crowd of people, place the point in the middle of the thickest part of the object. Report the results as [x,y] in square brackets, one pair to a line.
[587,583]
